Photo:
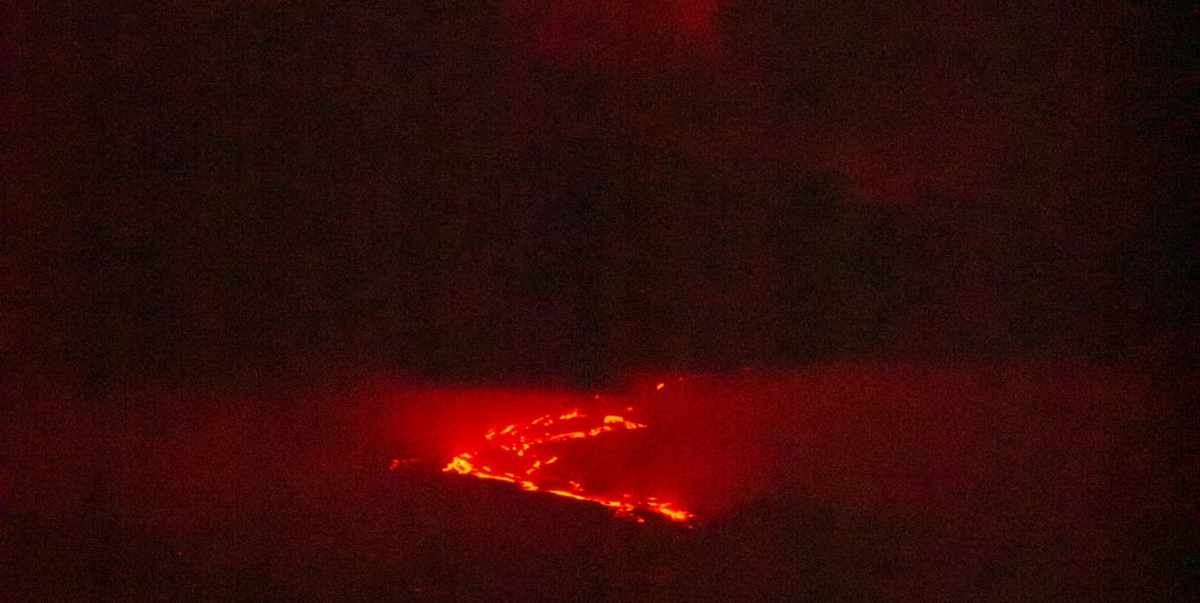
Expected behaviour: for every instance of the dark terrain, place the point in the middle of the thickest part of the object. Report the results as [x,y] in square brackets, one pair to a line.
[1006,482]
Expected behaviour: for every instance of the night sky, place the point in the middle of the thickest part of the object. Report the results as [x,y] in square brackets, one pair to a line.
[564,192]
[237,199]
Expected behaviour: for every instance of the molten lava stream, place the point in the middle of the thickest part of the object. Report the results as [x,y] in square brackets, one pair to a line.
[521,454]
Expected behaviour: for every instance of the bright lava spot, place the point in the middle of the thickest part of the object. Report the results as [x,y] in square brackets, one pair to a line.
[523,446]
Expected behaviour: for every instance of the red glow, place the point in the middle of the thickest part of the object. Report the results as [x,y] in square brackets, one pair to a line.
[521,451]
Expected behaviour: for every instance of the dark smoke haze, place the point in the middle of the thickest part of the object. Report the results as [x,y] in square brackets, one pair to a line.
[567,191]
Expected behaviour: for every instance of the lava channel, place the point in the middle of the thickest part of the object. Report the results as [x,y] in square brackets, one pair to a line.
[520,454]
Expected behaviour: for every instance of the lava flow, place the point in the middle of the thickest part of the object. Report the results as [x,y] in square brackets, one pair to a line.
[521,449]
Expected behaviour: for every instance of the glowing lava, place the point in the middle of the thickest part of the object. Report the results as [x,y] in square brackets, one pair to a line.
[520,449]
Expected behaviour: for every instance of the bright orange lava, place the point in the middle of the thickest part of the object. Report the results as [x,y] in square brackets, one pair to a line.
[521,444]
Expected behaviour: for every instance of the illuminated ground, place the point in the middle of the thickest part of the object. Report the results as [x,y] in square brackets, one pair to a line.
[1029,482]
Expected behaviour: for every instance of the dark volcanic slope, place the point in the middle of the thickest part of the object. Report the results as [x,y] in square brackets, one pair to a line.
[1023,482]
